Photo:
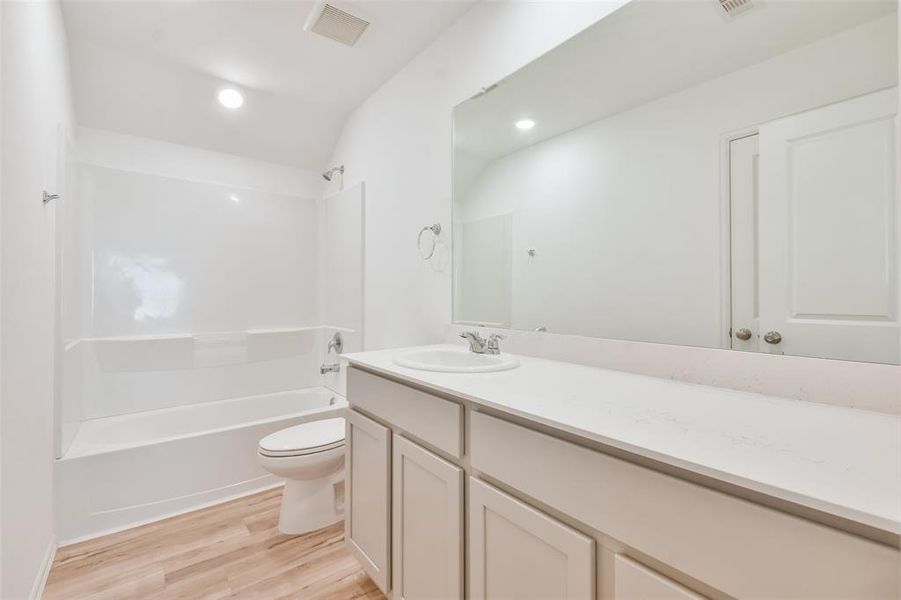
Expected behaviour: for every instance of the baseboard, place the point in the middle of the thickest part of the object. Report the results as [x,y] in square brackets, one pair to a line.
[40,580]
[171,514]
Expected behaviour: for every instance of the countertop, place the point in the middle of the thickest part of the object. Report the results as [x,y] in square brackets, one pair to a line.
[841,461]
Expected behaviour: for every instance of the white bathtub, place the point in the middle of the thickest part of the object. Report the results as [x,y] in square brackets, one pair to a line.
[130,469]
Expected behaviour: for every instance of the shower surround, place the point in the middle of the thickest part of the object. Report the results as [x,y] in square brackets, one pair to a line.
[198,293]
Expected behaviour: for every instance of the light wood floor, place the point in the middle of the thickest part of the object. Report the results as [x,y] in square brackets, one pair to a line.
[231,550]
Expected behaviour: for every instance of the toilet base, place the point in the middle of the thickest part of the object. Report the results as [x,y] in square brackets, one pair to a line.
[311,504]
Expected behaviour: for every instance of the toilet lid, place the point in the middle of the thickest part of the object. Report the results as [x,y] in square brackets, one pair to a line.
[306,438]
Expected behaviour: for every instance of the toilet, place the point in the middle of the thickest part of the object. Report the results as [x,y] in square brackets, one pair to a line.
[310,457]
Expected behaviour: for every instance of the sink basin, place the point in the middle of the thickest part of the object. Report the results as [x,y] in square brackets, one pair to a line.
[453,360]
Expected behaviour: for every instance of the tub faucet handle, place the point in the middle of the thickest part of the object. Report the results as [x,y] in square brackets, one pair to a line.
[336,343]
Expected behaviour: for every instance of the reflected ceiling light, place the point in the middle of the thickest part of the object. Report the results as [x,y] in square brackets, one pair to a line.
[525,124]
[231,98]
[234,198]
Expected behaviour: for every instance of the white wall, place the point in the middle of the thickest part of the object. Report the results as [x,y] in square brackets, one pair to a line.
[145,155]
[179,256]
[36,99]
[196,280]
[625,213]
[399,143]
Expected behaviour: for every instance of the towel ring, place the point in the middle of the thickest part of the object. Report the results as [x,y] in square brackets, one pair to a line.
[436,231]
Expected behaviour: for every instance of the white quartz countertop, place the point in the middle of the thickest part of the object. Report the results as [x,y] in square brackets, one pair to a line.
[841,461]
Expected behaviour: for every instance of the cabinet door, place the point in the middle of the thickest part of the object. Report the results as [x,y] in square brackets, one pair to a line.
[428,524]
[519,553]
[368,473]
[633,581]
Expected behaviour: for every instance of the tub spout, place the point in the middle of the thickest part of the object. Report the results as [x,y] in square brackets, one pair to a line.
[332,368]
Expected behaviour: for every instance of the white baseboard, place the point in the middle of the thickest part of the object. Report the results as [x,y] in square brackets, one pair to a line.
[40,580]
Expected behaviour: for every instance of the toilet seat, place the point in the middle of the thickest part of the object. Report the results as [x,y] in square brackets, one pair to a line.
[304,439]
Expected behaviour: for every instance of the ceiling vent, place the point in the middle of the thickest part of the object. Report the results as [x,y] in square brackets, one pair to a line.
[730,8]
[335,23]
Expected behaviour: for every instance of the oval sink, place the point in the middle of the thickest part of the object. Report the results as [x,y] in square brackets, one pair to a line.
[453,360]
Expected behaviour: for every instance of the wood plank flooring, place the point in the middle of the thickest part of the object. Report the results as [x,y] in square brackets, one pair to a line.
[232,550]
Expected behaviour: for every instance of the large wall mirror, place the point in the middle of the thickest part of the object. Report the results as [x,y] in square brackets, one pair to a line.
[682,175]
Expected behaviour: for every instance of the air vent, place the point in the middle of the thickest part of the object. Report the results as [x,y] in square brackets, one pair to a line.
[336,24]
[730,8]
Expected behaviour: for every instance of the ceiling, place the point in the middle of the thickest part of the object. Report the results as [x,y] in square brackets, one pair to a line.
[645,50]
[153,69]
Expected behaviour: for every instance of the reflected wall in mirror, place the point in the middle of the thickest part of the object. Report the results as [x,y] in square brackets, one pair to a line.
[676,175]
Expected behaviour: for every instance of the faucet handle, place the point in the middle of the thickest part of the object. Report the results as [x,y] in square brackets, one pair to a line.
[494,346]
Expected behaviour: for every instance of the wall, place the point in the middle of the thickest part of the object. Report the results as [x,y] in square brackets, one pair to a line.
[36,100]
[647,180]
[195,276]
[145,155]
[176,256]
[399,142]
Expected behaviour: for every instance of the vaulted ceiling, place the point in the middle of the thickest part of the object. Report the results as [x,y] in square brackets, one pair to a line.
[153,69]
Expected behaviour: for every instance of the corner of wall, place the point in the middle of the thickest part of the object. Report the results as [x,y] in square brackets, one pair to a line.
[409,186]
[40,580]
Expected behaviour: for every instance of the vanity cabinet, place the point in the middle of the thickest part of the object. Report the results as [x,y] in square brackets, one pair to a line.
[367,503]
[415,483]
[547,516]
[427,512]
[518,552]
[634,581]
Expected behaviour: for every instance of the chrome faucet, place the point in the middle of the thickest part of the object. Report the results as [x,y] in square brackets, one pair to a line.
[477,343]
[336,344]
[480,345]
[494,343]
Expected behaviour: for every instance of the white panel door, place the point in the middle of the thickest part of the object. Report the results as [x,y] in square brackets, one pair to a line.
[633,581]
[519,553]
[428,525]
[828,231]
[743,166]
[367,502]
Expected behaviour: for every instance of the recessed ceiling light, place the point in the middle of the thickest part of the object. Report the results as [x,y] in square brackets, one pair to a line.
[231,98]
[234,198]
[525,124]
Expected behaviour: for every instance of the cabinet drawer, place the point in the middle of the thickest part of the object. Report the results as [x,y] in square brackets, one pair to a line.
[435,421]
[633,581]
[516,551]
[725,541]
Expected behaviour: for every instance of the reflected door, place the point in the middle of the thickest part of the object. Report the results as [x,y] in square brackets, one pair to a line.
[743,188]
[828,232]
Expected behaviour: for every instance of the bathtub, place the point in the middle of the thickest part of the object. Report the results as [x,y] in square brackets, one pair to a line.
[126,470]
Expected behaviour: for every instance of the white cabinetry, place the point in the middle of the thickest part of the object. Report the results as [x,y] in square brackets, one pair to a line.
[519,553]
[428,525]
[636,582]
[366,524]
[405,510]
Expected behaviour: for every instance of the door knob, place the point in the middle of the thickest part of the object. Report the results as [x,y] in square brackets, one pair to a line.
[772,337]
[744,334]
